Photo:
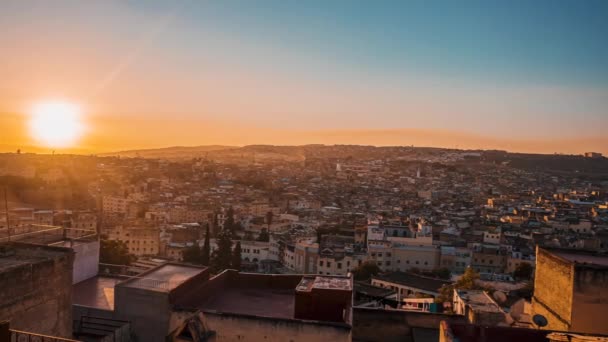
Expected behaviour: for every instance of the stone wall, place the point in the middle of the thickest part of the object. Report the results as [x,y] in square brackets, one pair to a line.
[392,325]
[231,327]
[36,293]
[553,290]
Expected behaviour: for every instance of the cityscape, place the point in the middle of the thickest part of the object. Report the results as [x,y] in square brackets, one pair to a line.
[298,191]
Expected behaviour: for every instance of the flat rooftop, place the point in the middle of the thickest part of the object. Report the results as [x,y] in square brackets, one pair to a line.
[165,277]
[582,258]
[479,300]
[14,254]
[413,280]
[96,292]
[264,295]
[276,303]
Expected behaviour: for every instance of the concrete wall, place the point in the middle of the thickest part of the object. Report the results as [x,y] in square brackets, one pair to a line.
[148,311]
[553,290]
[37,296]
[590,304]
[391,325]
[230,327]
[86,260]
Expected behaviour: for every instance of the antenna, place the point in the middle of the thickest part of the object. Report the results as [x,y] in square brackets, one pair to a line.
[540,320]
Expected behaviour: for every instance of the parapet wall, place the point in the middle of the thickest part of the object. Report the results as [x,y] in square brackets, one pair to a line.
[553,290]
[393,325]
[36,291]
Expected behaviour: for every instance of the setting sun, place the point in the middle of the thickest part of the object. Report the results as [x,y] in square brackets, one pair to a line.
[56,124]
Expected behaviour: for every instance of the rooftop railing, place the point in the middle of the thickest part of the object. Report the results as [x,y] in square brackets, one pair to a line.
[23,336]
[45,234]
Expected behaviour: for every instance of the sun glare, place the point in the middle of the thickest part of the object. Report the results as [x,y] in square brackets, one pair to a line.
[56,124]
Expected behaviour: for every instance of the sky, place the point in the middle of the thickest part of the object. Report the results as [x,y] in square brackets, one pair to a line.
[528,76]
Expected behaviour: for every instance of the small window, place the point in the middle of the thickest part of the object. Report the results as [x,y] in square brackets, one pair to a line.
[339,265]
[321,263]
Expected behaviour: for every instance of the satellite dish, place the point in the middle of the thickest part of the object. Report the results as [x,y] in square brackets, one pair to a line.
[499,297]
[540,320]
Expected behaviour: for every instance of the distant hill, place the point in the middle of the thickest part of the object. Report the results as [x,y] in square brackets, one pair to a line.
[174,152]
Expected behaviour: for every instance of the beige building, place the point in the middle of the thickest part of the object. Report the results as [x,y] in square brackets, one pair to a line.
[425,258]
[141,240]
[115,205]
[570,290]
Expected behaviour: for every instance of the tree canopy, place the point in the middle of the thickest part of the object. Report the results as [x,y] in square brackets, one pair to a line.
[115,252]
[366,270]
[523,271]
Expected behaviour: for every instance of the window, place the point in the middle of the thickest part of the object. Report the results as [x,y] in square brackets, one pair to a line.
[426,263]
[347,263]
[328,264]
[321,263]
[388,255]
[417,262]
[388,263]
[339,265]
[380,255]
[407,262]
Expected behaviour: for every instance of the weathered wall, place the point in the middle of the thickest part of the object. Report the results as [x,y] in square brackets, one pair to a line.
[391,325]
[229,327]
[590,306]
[37,297]
[86,260]
[148,311]
[553,290]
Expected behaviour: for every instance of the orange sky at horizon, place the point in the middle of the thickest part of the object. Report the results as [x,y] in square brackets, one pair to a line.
[114,133]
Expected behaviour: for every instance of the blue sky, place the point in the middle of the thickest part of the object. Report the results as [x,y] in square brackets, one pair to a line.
[502,68]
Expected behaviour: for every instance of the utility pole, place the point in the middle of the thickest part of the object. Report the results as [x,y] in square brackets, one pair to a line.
[8,224]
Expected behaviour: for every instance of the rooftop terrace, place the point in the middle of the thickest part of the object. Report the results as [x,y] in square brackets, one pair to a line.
[97,292]
[164,278]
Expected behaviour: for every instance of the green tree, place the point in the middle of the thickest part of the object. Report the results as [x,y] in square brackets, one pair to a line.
[206,251]
[366,270]
[523,271]
[264,236]
[442,273]
[466,282]
[192,254]
[236,256]
[248,236]
[229,223]
[269,217]
[115,252]
[222,258]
